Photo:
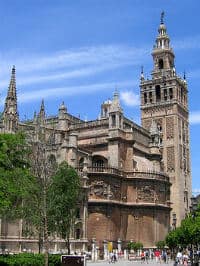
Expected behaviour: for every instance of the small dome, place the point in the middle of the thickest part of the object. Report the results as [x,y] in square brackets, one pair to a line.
[62,106]
[162,27]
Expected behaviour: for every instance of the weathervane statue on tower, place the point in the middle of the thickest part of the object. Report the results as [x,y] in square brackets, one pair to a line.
[162,17]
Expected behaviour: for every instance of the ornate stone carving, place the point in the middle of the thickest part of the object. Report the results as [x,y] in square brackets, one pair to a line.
[170,159]
[99,189]
[170,127]
[159,121]
[147,124]
[145,192]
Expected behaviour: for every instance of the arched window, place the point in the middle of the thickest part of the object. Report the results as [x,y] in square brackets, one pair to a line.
[78,233]
[145,97]
[81,161]
[165,94]
[160,64]
[171,93]
[113,120]
[99,162]
[158,94]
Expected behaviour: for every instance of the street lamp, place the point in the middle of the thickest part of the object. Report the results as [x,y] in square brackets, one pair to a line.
[174,219]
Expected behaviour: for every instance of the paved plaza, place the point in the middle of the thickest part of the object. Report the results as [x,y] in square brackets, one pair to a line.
[127,263]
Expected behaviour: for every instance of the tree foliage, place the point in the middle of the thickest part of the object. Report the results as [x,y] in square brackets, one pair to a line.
[188,233]
[15,178]
[134,246]
[160,244]
[63,197]
[34,188]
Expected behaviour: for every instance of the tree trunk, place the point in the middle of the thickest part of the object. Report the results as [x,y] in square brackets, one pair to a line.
[68,245]
[46,237]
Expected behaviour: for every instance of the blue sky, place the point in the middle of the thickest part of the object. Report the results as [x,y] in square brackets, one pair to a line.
[80,51]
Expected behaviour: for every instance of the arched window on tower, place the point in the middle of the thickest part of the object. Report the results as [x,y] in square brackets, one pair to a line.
[160,64]
[158,94]
[145,97]
[113,121]
[150,97]
[165,94]
[181,95]
[171,93]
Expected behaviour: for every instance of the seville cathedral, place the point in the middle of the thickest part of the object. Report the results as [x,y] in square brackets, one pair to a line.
[137,179]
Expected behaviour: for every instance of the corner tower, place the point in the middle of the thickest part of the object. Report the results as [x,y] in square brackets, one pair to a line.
[164,99]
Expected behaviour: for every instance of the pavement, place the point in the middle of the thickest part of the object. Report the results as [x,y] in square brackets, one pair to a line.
[128,263]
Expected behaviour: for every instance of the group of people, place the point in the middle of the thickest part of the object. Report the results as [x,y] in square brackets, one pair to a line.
[186,257]
[160,256]
[113,257]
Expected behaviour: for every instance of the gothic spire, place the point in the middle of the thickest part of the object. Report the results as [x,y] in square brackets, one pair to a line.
[41,114]
[10,114]
[12,87]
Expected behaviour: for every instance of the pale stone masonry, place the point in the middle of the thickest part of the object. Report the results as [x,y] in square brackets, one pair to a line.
[131,175]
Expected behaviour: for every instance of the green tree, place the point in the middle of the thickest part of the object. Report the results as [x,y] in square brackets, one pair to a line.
[15,175]
[35,206]
[160,244]
[134,246]
[64,194]
[187,234]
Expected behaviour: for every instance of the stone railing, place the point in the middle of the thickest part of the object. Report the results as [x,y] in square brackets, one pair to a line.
[128,174]
[147,175]
[90,124]
[106,170]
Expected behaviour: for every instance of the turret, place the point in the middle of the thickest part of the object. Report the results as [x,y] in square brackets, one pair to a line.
[115,113]
[62,119]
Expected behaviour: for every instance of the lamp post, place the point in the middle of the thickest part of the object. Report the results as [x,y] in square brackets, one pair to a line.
[174,219]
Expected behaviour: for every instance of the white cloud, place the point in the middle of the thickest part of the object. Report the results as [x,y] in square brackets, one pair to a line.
[70,91]
[130,98]
[70,64]
[194,117]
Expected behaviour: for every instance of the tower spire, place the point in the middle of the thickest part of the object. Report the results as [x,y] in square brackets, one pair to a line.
[12,87]
[10,114]
[41,114]
[163,55]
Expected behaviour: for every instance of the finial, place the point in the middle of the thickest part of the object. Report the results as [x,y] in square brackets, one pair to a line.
[42,104]
[142,73]
[184,75]
[162,17]
[13,69]
[142,70]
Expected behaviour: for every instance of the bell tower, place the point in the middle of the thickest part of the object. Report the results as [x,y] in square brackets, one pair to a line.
[164,99]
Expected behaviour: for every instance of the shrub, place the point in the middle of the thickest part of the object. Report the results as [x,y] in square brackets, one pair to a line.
[28,259]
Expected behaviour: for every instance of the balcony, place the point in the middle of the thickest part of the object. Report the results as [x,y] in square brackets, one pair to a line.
[152,175]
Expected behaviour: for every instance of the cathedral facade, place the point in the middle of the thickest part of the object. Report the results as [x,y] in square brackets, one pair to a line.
[136,179]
